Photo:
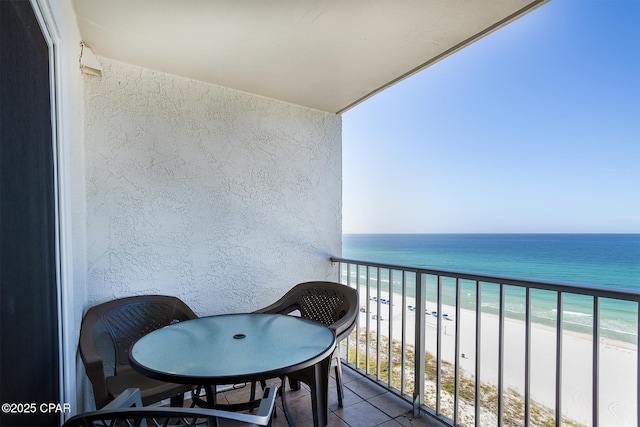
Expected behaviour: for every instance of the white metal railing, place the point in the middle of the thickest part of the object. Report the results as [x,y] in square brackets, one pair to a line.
[403,341]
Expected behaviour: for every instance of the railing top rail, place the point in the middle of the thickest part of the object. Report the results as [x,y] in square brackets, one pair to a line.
[596,291]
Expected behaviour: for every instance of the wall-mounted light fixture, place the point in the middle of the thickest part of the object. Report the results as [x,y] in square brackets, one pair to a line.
[88,62]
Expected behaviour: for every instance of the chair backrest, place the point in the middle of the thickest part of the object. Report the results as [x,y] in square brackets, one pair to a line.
[127,409]
[331,303]
[124,321]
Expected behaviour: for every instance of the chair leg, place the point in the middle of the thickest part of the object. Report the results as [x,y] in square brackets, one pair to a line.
[294,384]
[263,385]
[338,367]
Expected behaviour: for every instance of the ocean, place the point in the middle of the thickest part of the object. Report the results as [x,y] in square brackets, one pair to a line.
[606,260]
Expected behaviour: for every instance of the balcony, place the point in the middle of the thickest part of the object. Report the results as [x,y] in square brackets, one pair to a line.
[573,382]
[508,363]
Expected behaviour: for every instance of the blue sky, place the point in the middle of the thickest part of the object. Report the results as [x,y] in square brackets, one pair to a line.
[534,128]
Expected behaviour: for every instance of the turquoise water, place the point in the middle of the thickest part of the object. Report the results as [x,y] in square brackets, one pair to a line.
[606,260]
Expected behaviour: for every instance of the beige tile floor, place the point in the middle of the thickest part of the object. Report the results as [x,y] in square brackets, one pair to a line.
[365,405]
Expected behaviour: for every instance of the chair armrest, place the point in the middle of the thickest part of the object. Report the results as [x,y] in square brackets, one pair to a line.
[345,324]
[342,325]
[262,417]
[94,368]
[282,306]
[224,418]
[127,399]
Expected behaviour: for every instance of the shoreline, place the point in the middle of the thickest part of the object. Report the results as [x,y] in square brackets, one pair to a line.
[571,313]
[618,359]
[450,311]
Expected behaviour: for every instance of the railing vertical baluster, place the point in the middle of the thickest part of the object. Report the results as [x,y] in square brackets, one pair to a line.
[500,355]
[527,358]
[348,267]
[378,321]
[403,346]
[366,320]
[559,334]
[638,368]
[419,364]
[389,346]
[357,328]
[367,355]
[457,356]
[478,349]
[595,363]
[438,344]
[341,268]
[358,355]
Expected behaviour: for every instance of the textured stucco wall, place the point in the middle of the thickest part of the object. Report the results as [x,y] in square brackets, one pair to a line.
[220,197]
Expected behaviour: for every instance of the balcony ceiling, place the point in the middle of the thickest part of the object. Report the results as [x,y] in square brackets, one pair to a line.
[323,54]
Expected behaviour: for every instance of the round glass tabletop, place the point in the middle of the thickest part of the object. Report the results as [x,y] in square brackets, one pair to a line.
[231,348]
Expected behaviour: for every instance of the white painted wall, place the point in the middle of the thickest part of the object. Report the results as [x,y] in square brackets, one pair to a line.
[222,198]
[178,187]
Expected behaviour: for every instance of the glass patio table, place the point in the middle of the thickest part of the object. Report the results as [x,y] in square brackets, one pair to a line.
[235,348]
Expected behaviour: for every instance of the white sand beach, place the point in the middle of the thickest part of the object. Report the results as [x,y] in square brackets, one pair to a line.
[618,361]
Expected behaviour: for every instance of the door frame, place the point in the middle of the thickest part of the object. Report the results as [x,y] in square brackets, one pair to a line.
[50,17]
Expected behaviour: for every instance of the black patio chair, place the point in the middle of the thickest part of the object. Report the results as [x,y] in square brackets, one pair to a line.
[330,303]
[127,410]
[107,333]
